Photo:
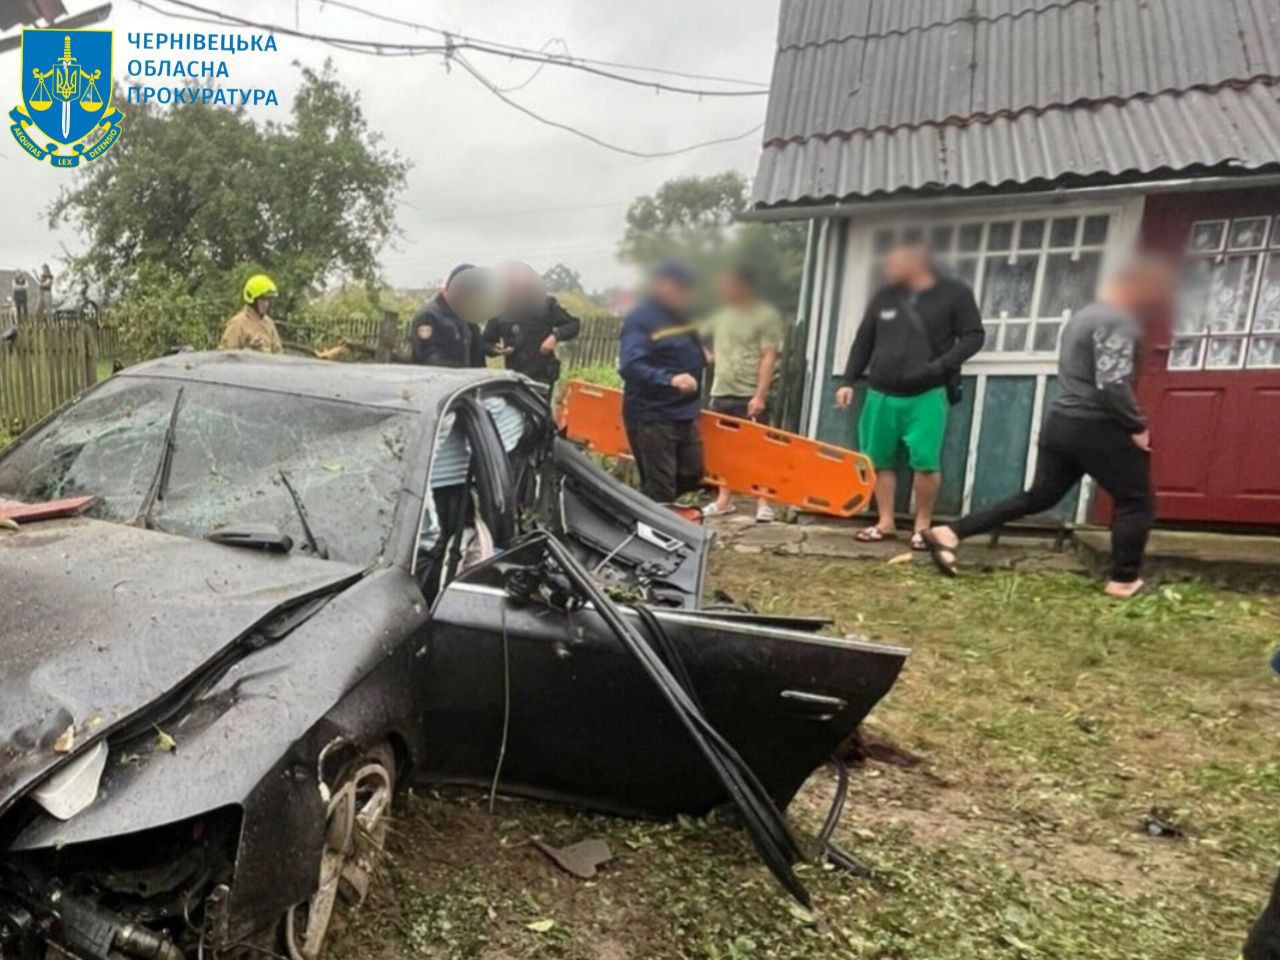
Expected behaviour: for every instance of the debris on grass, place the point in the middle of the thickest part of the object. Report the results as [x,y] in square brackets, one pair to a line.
[1159,823]
[582,859]
[1048,719]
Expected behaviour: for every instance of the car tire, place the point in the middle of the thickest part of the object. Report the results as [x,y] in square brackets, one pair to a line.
[359,816]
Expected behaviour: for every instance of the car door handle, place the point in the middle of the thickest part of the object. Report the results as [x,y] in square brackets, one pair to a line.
[814,704]
[657,538]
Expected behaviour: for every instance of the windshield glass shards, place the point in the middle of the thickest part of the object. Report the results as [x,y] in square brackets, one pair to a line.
[231,448]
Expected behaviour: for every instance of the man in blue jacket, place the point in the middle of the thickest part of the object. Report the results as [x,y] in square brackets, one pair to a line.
[661,362]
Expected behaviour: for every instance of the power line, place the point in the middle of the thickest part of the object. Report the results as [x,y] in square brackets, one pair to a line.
[452,54]
[640,68]
[513,213]
[539,68]
[591,138]
[451,45]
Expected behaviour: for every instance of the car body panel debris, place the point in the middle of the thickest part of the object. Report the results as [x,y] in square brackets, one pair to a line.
[582,859]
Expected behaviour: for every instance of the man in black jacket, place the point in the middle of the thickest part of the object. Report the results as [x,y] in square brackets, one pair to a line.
[531,325]
[446,332]
[1095,426]
[915,335]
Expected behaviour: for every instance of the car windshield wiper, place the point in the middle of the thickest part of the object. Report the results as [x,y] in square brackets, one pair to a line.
[161,479]
[252,536]
[317,548]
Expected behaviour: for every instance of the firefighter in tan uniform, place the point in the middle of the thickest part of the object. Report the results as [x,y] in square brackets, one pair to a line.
[252,328]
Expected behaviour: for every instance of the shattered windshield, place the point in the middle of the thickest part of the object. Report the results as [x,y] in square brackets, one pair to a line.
[345,461]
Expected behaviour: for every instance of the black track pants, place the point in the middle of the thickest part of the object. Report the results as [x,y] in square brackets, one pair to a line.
[1070,448]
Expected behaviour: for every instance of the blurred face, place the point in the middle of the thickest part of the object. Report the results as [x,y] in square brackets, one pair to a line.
[472,296]
[1146,287]
[523,292]
[733,289]
[904,264]
[672,295]
[263,306]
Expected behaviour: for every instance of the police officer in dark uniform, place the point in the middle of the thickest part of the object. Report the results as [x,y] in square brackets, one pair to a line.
[530,326]
[446,332]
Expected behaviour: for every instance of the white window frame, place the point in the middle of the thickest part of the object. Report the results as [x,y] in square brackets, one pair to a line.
[1269,249]
[1122,233]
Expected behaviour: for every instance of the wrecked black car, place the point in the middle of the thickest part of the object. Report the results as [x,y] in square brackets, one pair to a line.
[299,586]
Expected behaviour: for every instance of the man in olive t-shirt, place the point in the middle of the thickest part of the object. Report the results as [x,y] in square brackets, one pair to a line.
[744,339]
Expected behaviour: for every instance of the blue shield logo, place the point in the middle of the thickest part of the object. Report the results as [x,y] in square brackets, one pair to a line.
[66,95]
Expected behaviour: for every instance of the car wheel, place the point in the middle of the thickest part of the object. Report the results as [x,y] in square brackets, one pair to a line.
[359,818]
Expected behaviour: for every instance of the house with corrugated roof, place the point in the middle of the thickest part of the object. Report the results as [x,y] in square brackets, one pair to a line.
[1032,142]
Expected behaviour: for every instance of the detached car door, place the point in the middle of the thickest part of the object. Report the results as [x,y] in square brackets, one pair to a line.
[529,688]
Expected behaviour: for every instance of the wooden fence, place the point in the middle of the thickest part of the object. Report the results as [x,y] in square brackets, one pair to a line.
[42,366]
[596,344]
[51,358]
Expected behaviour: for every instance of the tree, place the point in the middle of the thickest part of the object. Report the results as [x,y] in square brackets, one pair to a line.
[694,219]
[196,198]
[689,217]
[562,279]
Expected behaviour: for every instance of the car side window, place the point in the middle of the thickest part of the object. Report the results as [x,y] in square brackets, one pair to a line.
[469,513]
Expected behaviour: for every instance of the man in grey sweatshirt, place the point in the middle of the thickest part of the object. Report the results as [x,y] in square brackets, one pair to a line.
[1094,427]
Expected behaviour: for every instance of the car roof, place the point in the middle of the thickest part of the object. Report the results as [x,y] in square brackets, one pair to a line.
[399,386]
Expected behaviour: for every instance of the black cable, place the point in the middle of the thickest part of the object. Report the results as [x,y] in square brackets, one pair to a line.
[642,154]
[826,850]
[452,54]
[452,44]
[668,650]
[765,823]
[567,56]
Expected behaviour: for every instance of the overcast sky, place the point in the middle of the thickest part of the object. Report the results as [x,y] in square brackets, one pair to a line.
[487,183]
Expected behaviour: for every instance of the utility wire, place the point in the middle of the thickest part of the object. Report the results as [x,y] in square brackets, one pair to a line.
[452,44]
[539,68]
[591,138]
[640,68]
[452,54]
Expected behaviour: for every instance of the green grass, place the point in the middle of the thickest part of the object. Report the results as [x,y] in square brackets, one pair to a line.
[601,374]
[1050,720]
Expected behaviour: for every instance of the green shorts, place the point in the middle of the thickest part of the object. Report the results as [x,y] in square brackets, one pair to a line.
[919,423]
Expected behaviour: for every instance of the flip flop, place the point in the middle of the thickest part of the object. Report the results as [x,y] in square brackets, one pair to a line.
[714,510]
[917,542]
[873,535]
[939,551]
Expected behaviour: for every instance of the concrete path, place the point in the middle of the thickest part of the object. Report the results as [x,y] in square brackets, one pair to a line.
[1232,560]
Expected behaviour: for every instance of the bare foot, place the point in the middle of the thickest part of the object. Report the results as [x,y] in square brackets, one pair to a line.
[946,536]
[941,542]
[1123,591]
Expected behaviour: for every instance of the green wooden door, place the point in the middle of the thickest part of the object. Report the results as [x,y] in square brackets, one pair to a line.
[1003,439]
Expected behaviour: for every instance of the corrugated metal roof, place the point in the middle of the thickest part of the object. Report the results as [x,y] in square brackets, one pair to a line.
[1170,132]
[871,96]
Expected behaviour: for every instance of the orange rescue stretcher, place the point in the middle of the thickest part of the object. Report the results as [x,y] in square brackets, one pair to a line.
[746,457]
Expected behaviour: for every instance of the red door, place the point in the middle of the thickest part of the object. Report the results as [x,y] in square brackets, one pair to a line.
[1210,380]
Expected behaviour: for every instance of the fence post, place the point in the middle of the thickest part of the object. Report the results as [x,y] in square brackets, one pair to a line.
[388,335]
[89,356]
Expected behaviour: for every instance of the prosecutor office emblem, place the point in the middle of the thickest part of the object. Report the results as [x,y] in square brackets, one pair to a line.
[66,112]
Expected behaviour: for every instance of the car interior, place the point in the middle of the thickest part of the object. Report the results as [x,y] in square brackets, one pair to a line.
[483,484]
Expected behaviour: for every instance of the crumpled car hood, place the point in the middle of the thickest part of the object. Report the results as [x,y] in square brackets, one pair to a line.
[99,620]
